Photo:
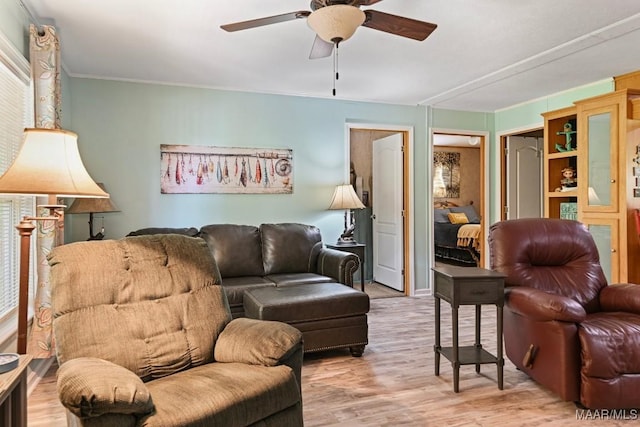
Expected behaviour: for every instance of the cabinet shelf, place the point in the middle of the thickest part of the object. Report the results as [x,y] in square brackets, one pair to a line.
[563,155]
[563,194]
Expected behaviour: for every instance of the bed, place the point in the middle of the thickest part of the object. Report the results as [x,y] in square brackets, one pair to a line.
[457,242]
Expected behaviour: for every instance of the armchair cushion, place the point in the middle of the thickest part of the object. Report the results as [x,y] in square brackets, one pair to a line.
[543,306]
[621,297]
[90,387]
[257,342]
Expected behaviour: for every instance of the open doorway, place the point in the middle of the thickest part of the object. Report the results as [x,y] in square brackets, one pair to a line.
[521,174]
[458,189]
[381,175]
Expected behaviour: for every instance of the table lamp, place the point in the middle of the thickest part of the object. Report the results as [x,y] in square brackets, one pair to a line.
[48,164]
[93,205]
[344,197]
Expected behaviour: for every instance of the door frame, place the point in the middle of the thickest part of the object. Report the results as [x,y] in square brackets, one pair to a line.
[407,191]
[484,189]
[501,141]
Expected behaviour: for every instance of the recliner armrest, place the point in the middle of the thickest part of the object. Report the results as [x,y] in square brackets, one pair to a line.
[257,342]
[621,297]
[338,265]
[91,387]
[540,305]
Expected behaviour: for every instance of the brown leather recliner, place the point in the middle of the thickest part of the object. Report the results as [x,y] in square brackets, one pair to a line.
[563,326]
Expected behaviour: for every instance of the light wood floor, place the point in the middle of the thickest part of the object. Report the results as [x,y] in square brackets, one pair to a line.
[393,383]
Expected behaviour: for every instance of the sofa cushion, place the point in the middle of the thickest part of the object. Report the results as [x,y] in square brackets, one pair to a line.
[234,287]
[236,248]
[290,248]
[222,394]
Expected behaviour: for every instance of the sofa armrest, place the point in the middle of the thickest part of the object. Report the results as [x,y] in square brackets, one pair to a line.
[621,297]
[543,306]
[257,342]
[338,265]
[91,387]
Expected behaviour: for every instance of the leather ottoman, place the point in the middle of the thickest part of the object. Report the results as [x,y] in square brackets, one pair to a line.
[329,315]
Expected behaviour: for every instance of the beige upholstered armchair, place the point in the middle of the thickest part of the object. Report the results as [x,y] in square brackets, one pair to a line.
[145,338]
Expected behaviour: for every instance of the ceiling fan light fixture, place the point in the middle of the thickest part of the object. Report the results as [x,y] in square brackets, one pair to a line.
[336,23]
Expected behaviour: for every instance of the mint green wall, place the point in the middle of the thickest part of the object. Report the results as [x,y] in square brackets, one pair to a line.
[121,126]
[14,24]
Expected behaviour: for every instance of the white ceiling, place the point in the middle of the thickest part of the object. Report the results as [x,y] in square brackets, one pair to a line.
[485,54]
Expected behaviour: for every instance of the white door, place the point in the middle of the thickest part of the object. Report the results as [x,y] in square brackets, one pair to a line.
[524,177]
[387,199]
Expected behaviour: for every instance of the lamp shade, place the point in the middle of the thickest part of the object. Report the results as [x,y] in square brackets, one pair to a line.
[49,163]
[345,198]
[92,204]
[336,23]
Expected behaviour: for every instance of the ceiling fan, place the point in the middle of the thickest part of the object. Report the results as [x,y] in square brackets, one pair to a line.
[334,21]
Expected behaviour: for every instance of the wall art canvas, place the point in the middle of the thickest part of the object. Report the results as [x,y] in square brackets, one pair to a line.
[206,169]
[447,174]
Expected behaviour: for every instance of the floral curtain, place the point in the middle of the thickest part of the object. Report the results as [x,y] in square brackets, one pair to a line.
[44,50]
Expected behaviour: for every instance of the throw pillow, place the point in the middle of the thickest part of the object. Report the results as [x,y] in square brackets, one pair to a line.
[469,211]
[458,218]
[440,215]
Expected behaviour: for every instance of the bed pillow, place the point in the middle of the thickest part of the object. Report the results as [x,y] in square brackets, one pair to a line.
[469,211]
[440,216]
[458,218]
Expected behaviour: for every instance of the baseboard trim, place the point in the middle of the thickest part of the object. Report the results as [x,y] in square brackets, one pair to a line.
[37,370]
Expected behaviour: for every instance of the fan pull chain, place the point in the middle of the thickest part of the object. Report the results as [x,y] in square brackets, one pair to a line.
[336,75]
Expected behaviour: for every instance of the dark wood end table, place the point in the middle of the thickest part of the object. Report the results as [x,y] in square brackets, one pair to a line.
[354,248]
[468,286]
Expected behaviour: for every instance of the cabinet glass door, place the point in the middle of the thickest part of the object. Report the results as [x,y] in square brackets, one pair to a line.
[605,234]
[600,194]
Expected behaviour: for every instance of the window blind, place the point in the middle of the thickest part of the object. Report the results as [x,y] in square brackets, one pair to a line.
[16,113]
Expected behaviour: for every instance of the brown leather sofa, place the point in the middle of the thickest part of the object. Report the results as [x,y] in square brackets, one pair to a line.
[144,337]
[283,272]
[563,325]
[283,254]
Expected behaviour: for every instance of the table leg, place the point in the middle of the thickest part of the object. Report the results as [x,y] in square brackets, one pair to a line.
[456,356]
[436,347]
[478,345]
[499,344]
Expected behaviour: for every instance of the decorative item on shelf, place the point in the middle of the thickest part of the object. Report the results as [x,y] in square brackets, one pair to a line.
[344,197]
[567,132]
[48,163]
[569,210]
[8,361]
[569,182]
[93,205]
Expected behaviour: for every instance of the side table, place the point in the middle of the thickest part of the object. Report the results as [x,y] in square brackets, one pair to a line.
[468,286]
[354,248]
[13,394]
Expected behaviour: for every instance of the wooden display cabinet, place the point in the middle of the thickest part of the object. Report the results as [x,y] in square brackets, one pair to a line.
[607,159]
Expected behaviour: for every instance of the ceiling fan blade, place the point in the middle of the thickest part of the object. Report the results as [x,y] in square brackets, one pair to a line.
[244,25]
[368,2]
[398,25]
[320,48]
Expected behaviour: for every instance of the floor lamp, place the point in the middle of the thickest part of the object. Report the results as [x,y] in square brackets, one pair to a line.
[48,163]
[344,197]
